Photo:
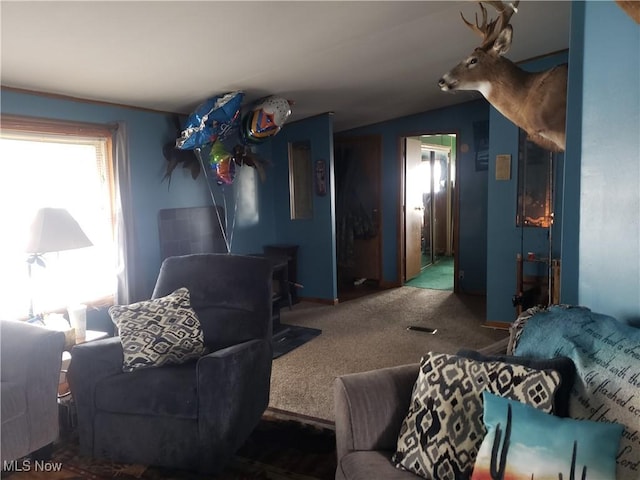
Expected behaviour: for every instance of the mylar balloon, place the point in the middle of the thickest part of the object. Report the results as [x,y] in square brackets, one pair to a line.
[212,119]
[226,171]
[266,119]
[218,153]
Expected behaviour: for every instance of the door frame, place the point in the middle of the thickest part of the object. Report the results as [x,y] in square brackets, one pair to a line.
[400,231]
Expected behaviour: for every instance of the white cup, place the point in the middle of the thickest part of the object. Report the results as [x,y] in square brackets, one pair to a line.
[78,320]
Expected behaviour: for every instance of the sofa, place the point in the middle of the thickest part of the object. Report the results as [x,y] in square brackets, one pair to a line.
[31,359]
[369,410]
[370,407]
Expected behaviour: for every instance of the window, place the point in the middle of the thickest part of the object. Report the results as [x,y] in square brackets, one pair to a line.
[63,165]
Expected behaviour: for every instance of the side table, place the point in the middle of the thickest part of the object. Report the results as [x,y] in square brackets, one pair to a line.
[92,335]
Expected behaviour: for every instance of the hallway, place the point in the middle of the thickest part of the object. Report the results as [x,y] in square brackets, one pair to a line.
[438,276]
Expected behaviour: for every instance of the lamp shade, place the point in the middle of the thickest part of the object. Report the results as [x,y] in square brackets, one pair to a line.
[54,230]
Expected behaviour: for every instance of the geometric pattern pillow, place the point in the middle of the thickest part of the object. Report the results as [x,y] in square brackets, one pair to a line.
[158,332]
[443,430]
[563,365]
[524,442]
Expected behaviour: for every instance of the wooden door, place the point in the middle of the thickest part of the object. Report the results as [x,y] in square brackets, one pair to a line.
[358,235]
[413,208]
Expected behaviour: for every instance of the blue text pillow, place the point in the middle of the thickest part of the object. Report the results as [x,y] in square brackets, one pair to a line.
[606,354]
[524,442]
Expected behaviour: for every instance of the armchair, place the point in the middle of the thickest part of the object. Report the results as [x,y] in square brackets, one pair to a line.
[193,415]
[31,359]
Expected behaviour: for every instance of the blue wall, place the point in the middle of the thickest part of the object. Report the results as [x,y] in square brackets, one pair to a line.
[571,199]
[472,186]
[315,237]
[609,147]
[148,132]
[503,236]
[505,239]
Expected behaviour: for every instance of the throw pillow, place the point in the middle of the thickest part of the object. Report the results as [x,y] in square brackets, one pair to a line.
[563,365]
[606,354]
[441,434]
[158,332]
[523,442]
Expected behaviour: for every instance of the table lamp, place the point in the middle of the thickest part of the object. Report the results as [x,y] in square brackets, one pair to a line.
[52,230]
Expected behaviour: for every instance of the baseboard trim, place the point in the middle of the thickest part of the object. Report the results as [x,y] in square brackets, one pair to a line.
[324,301]
[497,325]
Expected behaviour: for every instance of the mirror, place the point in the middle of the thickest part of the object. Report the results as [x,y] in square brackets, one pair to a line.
[535,185]
[300,180]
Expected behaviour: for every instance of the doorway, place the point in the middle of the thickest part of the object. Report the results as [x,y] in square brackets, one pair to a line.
[357,167]
[429,211]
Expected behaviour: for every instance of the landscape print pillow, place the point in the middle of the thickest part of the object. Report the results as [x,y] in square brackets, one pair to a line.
[523,442]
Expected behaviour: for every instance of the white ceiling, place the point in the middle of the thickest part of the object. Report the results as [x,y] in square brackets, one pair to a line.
[365,61]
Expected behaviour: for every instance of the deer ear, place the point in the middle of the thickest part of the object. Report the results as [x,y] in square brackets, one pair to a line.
[503,42]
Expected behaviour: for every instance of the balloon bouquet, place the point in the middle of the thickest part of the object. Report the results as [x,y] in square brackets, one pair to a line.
[218,127]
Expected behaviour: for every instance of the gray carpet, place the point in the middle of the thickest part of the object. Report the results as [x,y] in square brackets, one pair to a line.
[369,333]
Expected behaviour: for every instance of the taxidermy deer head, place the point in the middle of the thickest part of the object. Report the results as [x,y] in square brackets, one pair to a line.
[535,102]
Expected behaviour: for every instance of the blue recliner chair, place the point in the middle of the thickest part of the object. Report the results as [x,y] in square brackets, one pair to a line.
[195,415]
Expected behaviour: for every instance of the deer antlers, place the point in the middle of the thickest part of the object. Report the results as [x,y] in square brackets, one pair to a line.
[490,31]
